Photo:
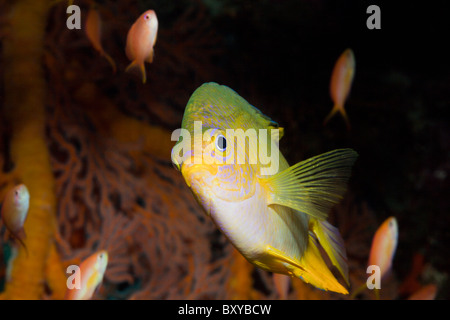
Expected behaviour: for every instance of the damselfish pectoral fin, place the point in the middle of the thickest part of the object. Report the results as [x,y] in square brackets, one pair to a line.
[312,186]
[333,244]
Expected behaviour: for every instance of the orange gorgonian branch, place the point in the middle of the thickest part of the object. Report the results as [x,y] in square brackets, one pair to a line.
[24,113]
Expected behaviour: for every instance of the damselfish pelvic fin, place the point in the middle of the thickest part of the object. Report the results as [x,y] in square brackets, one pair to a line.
[281,256]
[333,244]
[314,185]
[311,268]
[141,67]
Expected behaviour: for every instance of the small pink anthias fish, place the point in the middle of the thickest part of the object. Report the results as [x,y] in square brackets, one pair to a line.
[140,41]
[93,30]
[384,244]
[91,271]
[15,210]
[341,83]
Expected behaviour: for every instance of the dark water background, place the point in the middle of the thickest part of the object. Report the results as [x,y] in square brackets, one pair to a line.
[398,106]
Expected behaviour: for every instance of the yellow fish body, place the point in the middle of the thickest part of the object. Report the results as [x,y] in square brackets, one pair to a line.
[276,220]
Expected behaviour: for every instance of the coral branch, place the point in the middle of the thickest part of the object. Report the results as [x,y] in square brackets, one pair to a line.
[55,276]
[25,93]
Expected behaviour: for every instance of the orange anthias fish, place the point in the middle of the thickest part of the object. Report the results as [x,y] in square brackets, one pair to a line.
[341,82]
[140,41]
[91,270]
[15,210]
[93,30]
[384,244]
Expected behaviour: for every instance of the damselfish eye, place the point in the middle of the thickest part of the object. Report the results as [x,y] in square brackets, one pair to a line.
[221,143]
[147,16]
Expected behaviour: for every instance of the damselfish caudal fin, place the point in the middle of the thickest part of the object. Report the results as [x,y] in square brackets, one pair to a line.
[333,244]
[141,66]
